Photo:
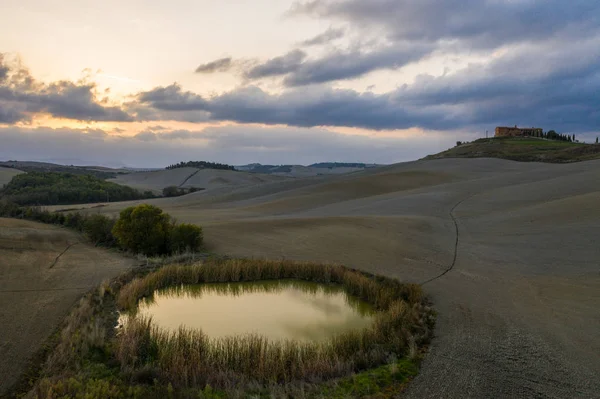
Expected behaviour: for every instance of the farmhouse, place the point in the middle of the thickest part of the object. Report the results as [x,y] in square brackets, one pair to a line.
[517,131]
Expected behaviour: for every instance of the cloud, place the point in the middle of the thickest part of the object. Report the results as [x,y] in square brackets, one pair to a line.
[22,96]
[173,98]
[145,136]
[557,91]
[338,65]
[220,65]
[329,35]
[306,107]
[474,23]
[231,144]
[351,65]
[277,66]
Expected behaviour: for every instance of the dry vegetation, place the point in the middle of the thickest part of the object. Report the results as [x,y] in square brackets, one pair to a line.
[145,361]
[190,359]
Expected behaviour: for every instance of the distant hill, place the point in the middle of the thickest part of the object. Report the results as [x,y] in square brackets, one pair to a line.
[201,165]
[322,168]
[332,165]
[32,166]
[188,178]
[524,149]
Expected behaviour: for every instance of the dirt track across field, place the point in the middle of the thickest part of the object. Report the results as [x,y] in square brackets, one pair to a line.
[43,272]
[509,253]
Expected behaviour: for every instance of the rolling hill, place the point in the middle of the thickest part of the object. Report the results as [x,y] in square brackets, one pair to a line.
[505,249]
[155,181]
[524,149]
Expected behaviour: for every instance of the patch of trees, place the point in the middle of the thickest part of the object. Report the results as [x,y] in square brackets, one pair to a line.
[174,191]
[53,188]
[48,167]
[143,229]
[552,135]
[201,165]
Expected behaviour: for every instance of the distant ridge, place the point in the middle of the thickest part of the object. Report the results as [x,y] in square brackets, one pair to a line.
[321,168]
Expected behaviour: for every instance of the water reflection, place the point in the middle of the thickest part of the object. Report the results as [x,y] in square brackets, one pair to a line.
[279,309]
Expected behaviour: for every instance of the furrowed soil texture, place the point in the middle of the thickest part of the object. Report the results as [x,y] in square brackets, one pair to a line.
[44,270]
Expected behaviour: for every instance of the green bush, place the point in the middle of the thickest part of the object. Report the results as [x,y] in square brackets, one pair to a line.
[185,237]
[172,191]
[98,228]
[74,221]
[143,229]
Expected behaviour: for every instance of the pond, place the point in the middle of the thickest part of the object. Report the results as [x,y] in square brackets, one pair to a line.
[277,309]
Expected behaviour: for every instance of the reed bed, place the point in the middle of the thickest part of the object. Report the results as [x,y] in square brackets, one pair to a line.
[188,358]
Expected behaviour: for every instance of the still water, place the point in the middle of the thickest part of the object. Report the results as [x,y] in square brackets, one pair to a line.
[279,309]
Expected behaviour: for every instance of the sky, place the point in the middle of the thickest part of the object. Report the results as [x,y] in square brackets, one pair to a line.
[149,83]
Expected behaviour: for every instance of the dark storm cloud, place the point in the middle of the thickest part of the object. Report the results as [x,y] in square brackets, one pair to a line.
[21,96]
[477,23]
[415,29]
[220,65]
[277,66]
[302,107]
[329,35]
[350,65]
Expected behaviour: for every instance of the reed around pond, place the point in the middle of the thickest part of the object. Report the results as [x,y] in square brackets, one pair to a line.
[188,358]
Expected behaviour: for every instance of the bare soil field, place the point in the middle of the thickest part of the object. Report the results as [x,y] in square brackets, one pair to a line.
[155,181]
[43,272]
[507,251]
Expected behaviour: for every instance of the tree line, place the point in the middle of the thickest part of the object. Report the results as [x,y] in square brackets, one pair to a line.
[201,165]
[53,188]
[552,135]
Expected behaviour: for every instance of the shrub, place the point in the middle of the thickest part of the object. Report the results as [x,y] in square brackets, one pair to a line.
[98,228]
[185,237]
[172,191]
[143,229]
[74,221]
[9,209]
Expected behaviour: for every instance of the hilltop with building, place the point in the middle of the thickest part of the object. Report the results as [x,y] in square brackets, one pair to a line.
[558,148]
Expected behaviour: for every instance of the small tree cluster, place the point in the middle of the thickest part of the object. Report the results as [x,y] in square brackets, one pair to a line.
[148,230]
[552,135]
[174,191]
[201,165]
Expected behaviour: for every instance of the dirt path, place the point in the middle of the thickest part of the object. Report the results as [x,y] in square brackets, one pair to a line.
[43,272]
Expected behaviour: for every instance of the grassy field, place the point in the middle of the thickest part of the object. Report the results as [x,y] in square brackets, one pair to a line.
[526,149]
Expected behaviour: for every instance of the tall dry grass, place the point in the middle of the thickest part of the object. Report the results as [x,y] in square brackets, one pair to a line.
[188,358]
[378,291]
